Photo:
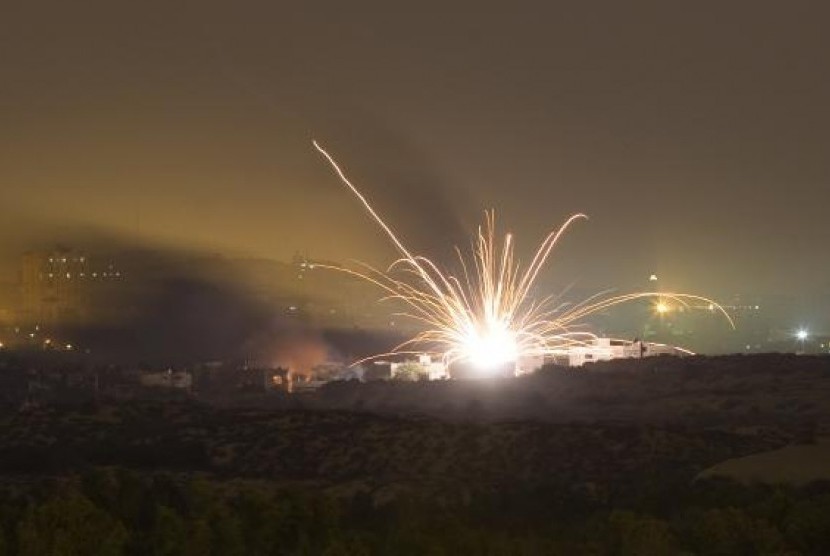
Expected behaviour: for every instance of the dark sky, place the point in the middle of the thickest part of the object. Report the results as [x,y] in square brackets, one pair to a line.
[695,135]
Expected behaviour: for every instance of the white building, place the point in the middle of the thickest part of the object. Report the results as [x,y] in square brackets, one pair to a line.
[605,349]
[526,364]
[429,369]
[167,379]
[598,349]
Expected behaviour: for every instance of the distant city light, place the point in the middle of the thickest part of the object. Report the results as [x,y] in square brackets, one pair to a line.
[652,278]
[802,334]
[661,308]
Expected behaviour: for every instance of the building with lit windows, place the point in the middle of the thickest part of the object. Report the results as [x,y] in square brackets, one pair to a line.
[59,287]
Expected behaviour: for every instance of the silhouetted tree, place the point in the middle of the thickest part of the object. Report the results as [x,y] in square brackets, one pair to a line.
[168,537]
[69,525]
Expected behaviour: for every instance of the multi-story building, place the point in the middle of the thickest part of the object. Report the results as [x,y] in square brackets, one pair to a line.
[61,287]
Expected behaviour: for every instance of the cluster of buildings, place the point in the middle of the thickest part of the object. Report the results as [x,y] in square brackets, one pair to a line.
[52,376]
[62,290]
[425,367]
[49,378]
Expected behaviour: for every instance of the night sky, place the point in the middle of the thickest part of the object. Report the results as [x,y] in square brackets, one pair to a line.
[695,135]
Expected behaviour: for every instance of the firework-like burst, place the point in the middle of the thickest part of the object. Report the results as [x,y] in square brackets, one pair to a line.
[486,315]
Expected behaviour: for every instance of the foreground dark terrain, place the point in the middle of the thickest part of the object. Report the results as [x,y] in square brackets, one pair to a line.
[607,460]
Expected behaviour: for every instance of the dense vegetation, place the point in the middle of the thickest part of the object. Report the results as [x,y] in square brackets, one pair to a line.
[114,511]
[590,462]
[352,450]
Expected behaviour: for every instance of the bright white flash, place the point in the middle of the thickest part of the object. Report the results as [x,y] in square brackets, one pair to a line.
[491,348]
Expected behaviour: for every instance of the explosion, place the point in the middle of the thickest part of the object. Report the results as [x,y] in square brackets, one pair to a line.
[485,315]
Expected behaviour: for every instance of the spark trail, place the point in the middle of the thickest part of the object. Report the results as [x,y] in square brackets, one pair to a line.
[486,314]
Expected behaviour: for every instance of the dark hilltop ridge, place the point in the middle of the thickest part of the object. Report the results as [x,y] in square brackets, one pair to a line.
[735,390]
[610,459]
